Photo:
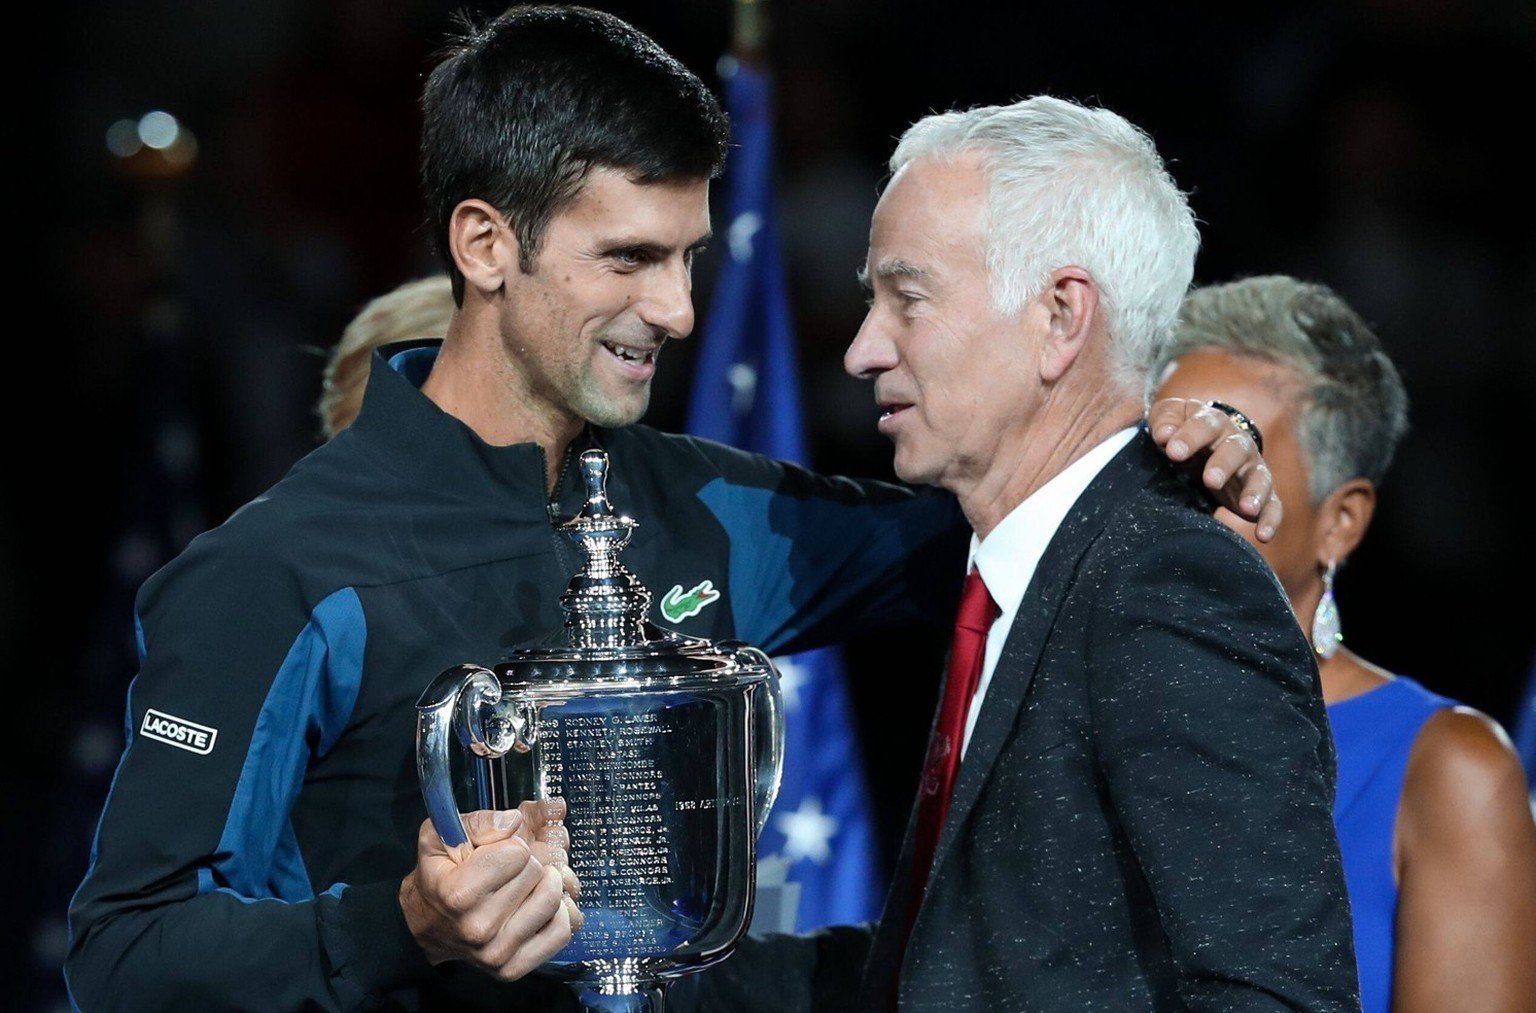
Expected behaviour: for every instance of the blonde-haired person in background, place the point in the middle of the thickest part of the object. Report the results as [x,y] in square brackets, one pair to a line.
[417,309]
[1432,810]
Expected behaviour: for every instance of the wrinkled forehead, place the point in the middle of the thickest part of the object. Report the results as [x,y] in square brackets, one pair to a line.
[931,211]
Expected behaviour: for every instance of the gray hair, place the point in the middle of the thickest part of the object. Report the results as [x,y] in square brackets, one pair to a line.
[1354,408]
[1071,185]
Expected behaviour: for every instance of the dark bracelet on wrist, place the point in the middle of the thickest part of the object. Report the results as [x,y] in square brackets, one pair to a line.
[1242,422]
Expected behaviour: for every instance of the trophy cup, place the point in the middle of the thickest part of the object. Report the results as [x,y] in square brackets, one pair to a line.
[668,750]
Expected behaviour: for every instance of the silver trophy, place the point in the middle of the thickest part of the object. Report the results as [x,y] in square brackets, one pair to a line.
[668,750]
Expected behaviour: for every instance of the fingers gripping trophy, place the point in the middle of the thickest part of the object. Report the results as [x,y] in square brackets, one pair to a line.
[667,749]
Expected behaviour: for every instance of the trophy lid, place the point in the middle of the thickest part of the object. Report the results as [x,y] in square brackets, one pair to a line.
[607,636]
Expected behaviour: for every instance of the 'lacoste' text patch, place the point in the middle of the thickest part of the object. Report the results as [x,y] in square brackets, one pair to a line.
[178,732]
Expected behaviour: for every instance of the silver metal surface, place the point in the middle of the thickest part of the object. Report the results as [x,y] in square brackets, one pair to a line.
[668,750]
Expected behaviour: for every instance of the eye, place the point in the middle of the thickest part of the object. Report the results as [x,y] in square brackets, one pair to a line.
[631,256]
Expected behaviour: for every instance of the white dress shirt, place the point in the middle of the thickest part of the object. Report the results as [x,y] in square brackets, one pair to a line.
[1007,557]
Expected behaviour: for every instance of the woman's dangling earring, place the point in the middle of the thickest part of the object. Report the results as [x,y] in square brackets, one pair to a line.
[1327,634]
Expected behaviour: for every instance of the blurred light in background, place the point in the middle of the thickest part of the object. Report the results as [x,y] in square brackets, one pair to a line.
[155,145]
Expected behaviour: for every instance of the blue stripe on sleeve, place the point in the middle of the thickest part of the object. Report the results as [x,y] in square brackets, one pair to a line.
[759,573]
[308,705]
[795,561]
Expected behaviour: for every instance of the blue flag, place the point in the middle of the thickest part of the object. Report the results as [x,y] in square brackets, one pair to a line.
[1525,730]
[818,857]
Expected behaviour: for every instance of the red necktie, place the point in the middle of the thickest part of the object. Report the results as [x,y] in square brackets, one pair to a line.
[977,612]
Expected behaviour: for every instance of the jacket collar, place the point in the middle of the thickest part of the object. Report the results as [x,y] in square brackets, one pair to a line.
[1139,463]
[425,445]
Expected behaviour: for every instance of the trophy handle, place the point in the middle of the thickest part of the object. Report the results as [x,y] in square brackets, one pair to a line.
[770,739]
[451,704]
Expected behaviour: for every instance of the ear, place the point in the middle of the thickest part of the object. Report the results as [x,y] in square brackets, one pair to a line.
[1343,519]
[483,244]
[1071,299]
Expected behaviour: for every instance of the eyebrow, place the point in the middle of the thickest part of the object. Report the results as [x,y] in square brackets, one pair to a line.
[893,267]
[655,249]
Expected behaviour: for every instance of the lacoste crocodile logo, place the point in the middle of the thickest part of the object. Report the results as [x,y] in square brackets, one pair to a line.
[678,604]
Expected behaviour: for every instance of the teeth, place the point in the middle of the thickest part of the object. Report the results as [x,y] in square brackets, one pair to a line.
[629,354]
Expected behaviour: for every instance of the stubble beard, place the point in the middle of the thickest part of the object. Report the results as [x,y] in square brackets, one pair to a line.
[601,409]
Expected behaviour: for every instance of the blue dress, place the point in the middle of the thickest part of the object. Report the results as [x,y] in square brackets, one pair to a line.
[1374,733]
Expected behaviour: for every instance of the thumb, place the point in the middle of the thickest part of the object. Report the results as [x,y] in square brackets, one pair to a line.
[487,826]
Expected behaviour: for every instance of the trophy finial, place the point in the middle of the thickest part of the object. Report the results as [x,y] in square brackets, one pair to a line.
[594,473]
[605,604]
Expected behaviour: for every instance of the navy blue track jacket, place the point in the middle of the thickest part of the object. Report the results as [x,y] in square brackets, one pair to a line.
[266,806]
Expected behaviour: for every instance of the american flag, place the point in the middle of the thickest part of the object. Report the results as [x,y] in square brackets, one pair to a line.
[818,857]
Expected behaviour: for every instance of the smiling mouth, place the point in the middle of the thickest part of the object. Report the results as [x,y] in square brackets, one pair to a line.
[630,354]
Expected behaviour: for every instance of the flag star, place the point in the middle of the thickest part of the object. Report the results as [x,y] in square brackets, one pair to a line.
[807,831]
[792,675]
[743,380]
[743,227]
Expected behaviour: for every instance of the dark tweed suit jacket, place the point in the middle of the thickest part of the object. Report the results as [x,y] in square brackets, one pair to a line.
[1143,818]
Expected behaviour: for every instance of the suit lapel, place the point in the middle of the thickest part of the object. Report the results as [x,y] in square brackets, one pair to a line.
[1032,625]
[1138,464]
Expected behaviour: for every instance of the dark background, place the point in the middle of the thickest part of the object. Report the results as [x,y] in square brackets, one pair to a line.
[168,330]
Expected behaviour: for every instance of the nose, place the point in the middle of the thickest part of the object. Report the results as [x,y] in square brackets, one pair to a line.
[871,352]
[668,302]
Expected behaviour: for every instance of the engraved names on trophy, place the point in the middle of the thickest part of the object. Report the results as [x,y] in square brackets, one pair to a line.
[607,768]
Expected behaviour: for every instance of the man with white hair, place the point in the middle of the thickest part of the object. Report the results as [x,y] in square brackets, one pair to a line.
[1127,799]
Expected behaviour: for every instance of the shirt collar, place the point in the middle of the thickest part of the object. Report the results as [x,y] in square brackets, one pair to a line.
[1007,557]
